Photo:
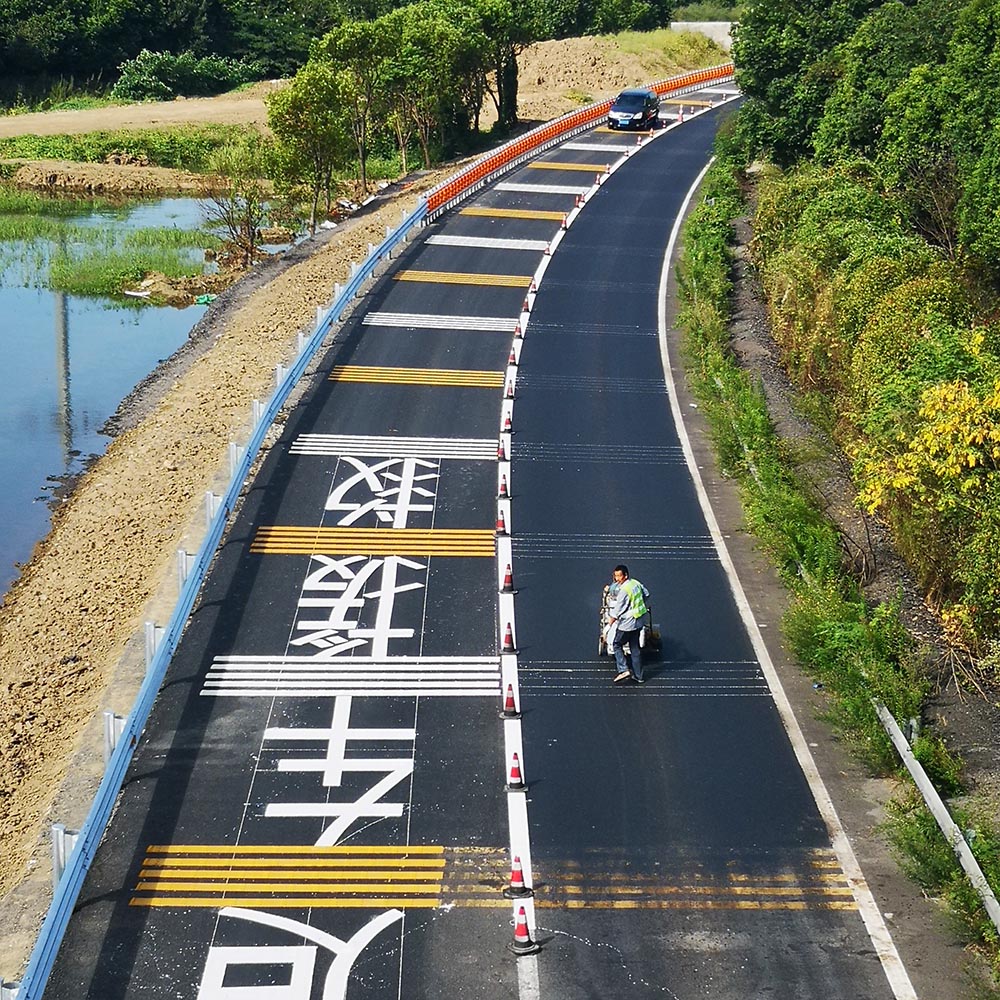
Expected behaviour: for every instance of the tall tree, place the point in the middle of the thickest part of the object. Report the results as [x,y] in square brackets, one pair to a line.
[361,52]
[310,125]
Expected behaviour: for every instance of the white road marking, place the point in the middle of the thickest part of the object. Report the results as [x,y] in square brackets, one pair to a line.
[359,676]
[472,449]
[600,147]
[885,948]
[515,188]
[487,243]
[434,321]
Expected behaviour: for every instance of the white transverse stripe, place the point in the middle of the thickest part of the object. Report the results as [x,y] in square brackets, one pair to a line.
[601,147]
[486,242]
[542,188]
[432,321]
[361,676]
[470,449]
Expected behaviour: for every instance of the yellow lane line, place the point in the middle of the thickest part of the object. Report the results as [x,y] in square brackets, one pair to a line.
[682,100]
[700,890]
[428,864]
[466,278]
[292,540]
[322,902]
[298,849]
[514,213]
[417,376]
[694,904]
[287,887]
[590,168]
[226,874]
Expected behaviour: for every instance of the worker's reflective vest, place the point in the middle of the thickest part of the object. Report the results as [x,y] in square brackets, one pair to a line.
[636,601]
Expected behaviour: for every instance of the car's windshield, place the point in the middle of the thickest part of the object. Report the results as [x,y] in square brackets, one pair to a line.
[629,102]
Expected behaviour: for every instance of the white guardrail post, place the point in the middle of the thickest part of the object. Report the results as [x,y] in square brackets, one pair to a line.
[939,810]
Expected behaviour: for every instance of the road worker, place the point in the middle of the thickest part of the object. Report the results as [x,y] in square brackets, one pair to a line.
[628,610]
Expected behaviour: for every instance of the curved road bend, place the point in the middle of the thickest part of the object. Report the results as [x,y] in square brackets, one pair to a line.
[677,848]
[317,806]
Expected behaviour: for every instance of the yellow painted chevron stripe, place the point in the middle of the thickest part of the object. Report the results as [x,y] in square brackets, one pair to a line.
[466,278]
[620,131]
[294,540]
[417,376]
[514,213]
[590,168]
[686,101]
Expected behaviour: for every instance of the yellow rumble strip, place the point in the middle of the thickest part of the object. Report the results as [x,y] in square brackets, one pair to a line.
[514,213]
[466,278]
[433,876]
[292,540]
[417,376]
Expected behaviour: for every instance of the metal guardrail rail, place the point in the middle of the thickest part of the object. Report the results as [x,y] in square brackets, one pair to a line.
[952,834]
[438,200]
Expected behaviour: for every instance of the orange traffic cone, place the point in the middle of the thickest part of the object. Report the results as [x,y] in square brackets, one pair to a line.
[517,889]
[508,636]
[516,782]
[509,394]
[501,530]
[501,452]
[508,582]
[506,424]
[512,360]
[522,943]
[503,494]
[517,331]
[509,708]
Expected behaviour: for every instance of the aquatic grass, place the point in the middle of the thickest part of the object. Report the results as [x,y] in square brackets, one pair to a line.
[161,237]
[186,148]
[15,202]
[109,273]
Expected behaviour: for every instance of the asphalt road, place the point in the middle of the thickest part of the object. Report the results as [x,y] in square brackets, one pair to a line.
[318,805]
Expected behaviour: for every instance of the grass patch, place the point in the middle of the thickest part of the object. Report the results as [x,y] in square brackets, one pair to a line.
[928,859]
[665,53]
[13,201]
[108,273]
[187,148]
[165,237]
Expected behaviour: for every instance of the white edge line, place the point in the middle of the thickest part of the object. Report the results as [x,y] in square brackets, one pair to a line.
[878,932]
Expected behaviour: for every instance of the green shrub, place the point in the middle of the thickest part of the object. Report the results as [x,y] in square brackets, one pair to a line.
[160,76]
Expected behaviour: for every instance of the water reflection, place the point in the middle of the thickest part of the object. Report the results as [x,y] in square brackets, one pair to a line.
[65,364]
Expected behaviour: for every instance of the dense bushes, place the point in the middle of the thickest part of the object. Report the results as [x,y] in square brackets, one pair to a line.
[159,76]
[902,342]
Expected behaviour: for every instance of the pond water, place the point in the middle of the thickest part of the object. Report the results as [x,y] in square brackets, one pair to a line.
[66,362]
